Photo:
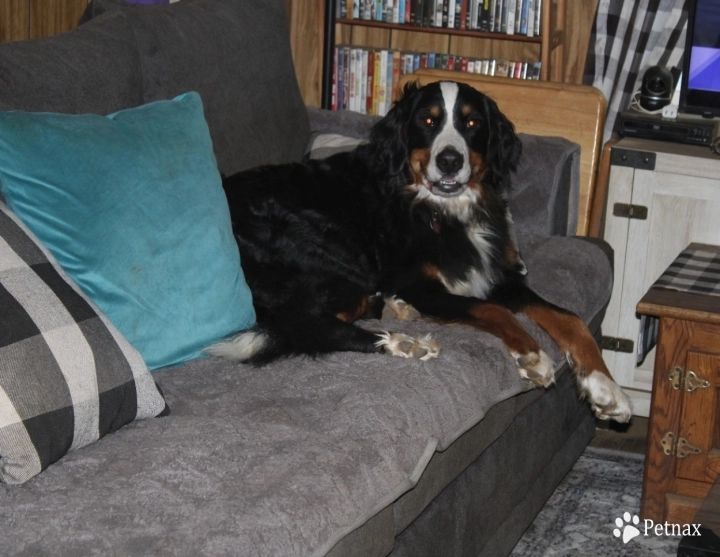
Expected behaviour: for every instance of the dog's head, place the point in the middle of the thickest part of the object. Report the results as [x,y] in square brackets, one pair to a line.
[448,139]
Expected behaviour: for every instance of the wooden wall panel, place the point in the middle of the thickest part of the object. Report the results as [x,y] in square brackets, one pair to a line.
[578,23]
[364,36]
[50,17]
[306,19]
[479,48]
[420,42]
[14,20]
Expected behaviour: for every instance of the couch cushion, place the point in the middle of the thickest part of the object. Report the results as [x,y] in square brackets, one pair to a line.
[67,376]
[288,459]
[95,68]
[237,56]
[132,207]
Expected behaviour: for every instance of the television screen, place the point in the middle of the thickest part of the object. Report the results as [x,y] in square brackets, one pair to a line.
[700,92]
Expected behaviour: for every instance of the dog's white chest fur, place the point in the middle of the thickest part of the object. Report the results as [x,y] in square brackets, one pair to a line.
[479,281]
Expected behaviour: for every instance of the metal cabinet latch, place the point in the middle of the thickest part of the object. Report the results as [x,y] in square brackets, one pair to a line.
[617,344]
[684,448]
[693,382]
[681,449]
[629,211]
[688,382]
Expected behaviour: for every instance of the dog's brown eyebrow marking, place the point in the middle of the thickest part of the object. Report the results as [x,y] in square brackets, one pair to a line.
[435,111]
[466,110]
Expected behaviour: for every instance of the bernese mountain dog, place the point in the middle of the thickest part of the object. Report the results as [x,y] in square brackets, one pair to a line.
[416,220]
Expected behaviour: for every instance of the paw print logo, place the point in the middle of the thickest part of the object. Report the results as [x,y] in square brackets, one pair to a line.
[628,524]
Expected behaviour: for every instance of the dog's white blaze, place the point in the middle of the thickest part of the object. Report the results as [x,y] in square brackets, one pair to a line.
[449,137]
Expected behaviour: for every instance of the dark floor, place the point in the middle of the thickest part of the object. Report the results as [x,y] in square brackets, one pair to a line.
[621,437]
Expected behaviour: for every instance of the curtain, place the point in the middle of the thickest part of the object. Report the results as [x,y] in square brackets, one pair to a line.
[628,37]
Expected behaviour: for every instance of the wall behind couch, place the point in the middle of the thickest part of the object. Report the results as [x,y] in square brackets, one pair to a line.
[31,19]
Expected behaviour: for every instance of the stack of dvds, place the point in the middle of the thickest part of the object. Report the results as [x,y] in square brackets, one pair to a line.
[366,80]
[490,16]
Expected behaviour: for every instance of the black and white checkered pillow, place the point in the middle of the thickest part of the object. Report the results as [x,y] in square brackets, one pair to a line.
[67,376]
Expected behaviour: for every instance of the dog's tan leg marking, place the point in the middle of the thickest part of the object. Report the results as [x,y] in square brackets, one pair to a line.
[404,346]
[358,313]
[607,399]
[533,363]
[395,308]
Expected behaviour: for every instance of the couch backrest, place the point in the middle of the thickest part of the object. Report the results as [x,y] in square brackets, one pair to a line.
[235,53]
[95,68]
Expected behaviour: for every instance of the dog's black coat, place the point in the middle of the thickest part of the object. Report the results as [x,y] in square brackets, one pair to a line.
[420,213]
[317,238]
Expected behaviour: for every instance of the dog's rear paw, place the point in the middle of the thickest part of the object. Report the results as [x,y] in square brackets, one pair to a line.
[404,346]
[537,367]
[607,399]
[395,308]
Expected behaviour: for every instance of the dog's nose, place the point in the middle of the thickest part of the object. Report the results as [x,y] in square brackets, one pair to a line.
[449,161]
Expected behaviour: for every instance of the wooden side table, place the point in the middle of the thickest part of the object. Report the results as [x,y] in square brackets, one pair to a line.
[683,449]
[708,517]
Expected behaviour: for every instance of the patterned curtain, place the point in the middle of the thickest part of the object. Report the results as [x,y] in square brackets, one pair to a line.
[628,37]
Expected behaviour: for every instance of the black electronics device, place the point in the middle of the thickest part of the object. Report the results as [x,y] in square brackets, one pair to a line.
[686,128]
[657,88]
[700,87]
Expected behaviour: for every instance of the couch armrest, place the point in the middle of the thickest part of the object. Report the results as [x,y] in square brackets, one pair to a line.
[545,188]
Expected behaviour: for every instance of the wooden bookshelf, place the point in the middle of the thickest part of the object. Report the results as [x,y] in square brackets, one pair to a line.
[439,30]
[548,47]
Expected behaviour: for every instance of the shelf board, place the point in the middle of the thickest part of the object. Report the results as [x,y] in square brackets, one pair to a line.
[440,30]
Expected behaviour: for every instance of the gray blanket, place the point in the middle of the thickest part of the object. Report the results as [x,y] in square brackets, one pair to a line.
[286,459]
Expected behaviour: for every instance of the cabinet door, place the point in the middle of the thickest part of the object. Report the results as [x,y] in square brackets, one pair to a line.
[681,209]
[699,431]
[683,449]
[616,234]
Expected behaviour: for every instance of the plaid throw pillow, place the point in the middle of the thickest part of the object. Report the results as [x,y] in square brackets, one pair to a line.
[67,376]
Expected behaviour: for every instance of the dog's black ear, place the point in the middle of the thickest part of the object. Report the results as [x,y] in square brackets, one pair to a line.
[504,147]
[389,135]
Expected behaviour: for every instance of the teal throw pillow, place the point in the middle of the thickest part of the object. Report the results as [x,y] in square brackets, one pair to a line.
[132,207]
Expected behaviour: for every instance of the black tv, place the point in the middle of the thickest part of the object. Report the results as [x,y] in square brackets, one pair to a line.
[700,87]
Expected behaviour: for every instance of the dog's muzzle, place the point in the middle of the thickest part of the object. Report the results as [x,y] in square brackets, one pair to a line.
[449,162]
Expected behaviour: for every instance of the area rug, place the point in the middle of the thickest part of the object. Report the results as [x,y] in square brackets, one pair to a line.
[593,512]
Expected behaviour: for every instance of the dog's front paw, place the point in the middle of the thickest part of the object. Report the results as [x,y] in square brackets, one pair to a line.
[395,308]
[607,399]
[537,367]
[404,346]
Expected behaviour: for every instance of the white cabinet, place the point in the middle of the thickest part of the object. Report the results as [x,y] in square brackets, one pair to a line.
[661,197]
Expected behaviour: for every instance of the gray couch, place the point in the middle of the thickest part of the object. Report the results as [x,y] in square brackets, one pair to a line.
[344,455]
